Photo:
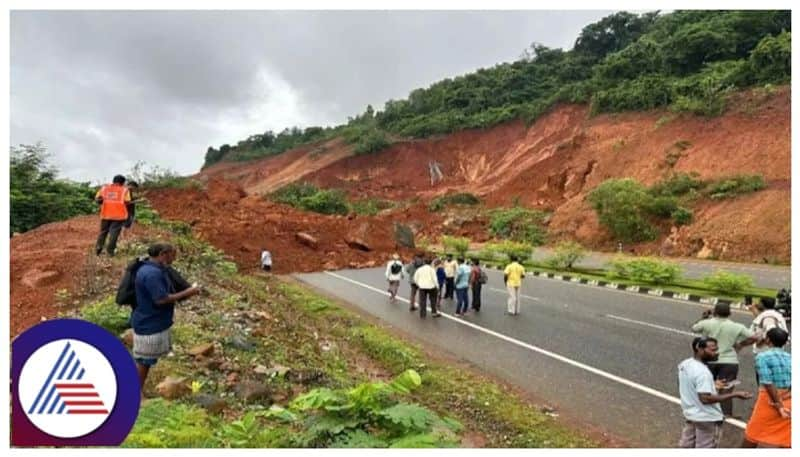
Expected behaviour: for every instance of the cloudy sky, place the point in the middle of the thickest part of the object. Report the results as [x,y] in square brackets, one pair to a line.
[103,90]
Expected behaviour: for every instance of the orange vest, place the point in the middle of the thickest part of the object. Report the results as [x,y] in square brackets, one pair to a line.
[113,202]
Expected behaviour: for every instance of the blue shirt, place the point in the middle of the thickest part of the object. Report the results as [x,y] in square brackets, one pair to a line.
[152,285]
[440,275]
[774,366]
[462,276]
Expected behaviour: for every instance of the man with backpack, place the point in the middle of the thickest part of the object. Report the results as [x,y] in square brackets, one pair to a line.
[152,318]
[113,200]
[394,273]
[477,279]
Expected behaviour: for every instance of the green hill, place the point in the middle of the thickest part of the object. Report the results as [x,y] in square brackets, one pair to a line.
[686,60]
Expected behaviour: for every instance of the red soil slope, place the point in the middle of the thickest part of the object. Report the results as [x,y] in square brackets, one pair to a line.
[554,163]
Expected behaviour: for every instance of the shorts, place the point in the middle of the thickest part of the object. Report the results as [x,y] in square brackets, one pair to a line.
[148,348]
[146,362]
[266,267]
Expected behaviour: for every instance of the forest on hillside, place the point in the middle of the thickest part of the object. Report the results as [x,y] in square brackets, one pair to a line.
[688,61]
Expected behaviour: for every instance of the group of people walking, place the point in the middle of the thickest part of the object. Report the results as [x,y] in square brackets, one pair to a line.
[707,380]
[434,280]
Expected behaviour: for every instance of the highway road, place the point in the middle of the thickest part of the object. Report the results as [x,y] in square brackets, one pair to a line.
[764,275]
[605,357]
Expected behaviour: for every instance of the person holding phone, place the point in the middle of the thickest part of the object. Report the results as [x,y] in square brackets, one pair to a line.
[153,316]
[730,336]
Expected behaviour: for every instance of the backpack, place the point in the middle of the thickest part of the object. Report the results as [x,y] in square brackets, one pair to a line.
[482,277]
[396,268]
[126,291]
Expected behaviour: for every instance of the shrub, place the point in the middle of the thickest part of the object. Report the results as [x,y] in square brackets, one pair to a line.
[310,198]
[372,140]
[368,415]
[621,205]
[647,270]
[736,185]
[661,207]
[439,203]
[458,244]
[37,196]
[521,251]
[677,185]
[728,283]
[682,216]
[156,177]
[370,206]
[107,314]
[567,254]
[518,224]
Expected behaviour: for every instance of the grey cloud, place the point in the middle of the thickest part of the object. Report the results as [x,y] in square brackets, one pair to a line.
[104,90]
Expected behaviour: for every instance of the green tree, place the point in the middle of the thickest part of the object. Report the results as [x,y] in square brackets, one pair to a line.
[620,206]
[38,196]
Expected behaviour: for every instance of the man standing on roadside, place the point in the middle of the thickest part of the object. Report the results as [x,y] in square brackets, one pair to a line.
[450,267]
[699,398]
[462,287]
[113,199]
[425,279]
[513,275]
[730,336]
[411,268]
[394,273]
[766,318]
[153,316]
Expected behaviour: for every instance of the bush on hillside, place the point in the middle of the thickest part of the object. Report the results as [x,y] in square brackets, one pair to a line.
[518,224]
[459,245]
[464,198]
[38,196]
[621,206]
[736,185]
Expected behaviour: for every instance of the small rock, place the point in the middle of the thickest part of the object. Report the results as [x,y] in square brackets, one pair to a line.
[306,240]
[278,370]
[203,350]
[358,243]
[261,369]
[251,390]
[211,403]
[240,342]
[325,346]
[308,376]
[172,388]
[212,364]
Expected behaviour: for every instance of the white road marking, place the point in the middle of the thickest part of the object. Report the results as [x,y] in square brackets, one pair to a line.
[660,327]
[545,352]
[521,295]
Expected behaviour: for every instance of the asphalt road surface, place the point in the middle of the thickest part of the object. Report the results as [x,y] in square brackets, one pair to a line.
[606,357]
[767,276]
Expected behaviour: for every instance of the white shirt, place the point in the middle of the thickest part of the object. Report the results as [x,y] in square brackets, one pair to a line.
[425,277]
[764,322]
[394,277]
[266,258]
[695,378]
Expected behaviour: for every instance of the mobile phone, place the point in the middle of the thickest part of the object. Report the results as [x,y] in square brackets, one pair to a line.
[748,300]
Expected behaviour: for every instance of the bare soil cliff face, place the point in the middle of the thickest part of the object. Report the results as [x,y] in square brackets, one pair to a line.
[557,161]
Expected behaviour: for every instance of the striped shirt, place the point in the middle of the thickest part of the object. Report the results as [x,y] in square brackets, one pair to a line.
[774,366]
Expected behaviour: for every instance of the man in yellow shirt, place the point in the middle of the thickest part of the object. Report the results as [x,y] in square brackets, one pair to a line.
[514,273]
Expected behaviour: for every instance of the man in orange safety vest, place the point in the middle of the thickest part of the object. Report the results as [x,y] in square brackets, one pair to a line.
[113,212]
